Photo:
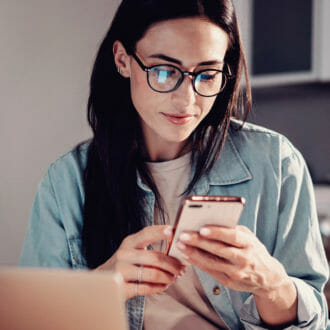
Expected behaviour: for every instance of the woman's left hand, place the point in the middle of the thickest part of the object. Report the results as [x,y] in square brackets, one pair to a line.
[233,256]
[237,259]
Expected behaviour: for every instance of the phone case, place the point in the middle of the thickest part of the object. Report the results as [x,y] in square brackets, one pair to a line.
[198,211]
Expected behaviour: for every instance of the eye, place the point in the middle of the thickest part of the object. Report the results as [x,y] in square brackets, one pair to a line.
[206,76]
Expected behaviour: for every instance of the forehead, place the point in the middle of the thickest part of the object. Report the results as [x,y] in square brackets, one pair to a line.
[187,39]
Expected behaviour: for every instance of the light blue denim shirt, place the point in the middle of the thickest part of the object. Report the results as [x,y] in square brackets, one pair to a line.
[257,164]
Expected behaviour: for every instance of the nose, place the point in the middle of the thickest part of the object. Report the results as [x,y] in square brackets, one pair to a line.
[184,95]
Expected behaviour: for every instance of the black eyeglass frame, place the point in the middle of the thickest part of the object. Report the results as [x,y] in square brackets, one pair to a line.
[183,74]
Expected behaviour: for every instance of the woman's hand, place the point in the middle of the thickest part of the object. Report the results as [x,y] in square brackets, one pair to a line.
[237,259]
[145,272]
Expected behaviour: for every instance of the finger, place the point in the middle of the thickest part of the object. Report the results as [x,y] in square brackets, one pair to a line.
[238,236]
[226,273]
[147,236]
[143,289]
[147,274]
[218,248]
[155,259]
[207,262]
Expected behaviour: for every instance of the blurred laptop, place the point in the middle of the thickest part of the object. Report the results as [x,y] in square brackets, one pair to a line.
[49,299]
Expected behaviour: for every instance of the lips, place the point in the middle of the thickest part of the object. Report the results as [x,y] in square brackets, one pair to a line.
[178,119]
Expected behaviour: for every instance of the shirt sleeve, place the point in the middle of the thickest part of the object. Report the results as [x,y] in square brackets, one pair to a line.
[45,243]
[298,247]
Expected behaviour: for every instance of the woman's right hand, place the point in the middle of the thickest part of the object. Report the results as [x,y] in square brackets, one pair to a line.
[145,272]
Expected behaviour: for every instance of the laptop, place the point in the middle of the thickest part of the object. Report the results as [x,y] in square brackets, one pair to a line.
[54,299]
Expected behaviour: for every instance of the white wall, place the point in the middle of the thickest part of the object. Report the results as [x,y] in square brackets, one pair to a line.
[46,52]
[323,40]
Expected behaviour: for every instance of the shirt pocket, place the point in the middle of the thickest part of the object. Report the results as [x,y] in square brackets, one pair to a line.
[77,258]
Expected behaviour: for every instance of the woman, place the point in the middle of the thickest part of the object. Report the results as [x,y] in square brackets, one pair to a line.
[164,89]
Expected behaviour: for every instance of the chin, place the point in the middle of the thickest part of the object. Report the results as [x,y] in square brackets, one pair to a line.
[178,138]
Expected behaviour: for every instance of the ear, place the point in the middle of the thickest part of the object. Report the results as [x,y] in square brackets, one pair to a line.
[122,59]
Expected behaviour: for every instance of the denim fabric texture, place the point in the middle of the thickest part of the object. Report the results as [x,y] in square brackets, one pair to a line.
[256,163]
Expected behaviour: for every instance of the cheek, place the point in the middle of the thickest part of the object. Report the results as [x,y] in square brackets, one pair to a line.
[143,97]
[139,85]
[139,90]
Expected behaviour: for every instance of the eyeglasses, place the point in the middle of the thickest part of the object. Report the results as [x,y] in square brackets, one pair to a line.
[165,78]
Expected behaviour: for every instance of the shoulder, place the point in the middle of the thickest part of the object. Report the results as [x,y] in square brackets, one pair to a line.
[72,163]
[262,143]
[65,176]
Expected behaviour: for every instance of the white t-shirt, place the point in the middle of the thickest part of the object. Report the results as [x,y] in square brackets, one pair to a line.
[184,304]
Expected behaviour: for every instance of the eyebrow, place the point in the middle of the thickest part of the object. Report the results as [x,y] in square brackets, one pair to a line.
[176,61]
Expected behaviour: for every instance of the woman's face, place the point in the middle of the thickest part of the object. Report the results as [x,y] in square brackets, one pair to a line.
[168,119]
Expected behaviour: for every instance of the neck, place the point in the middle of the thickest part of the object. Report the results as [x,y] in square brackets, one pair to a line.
[167,151]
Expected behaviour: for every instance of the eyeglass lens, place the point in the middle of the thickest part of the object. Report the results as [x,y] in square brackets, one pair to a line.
[165,78]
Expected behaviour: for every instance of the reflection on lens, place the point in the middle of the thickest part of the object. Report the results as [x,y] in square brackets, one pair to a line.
[162,76]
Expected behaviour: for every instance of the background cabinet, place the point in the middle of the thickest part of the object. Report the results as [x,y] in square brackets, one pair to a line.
[286,41]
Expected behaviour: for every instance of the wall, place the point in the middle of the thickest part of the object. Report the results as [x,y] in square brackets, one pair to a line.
[47,50]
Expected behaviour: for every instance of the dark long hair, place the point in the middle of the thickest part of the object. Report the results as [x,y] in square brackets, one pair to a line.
[114,204]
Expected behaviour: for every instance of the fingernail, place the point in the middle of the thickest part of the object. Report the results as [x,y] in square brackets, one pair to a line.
[167,286]
[181,246]
[185,237]
[168,231]
[182,272]
[205,231]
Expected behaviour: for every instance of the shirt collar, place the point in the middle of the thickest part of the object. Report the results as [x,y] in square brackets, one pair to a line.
[229,169]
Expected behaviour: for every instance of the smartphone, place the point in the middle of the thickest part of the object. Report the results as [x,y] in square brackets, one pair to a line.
[198,211]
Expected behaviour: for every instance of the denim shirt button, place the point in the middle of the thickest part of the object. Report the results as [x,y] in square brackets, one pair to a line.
[216,291]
